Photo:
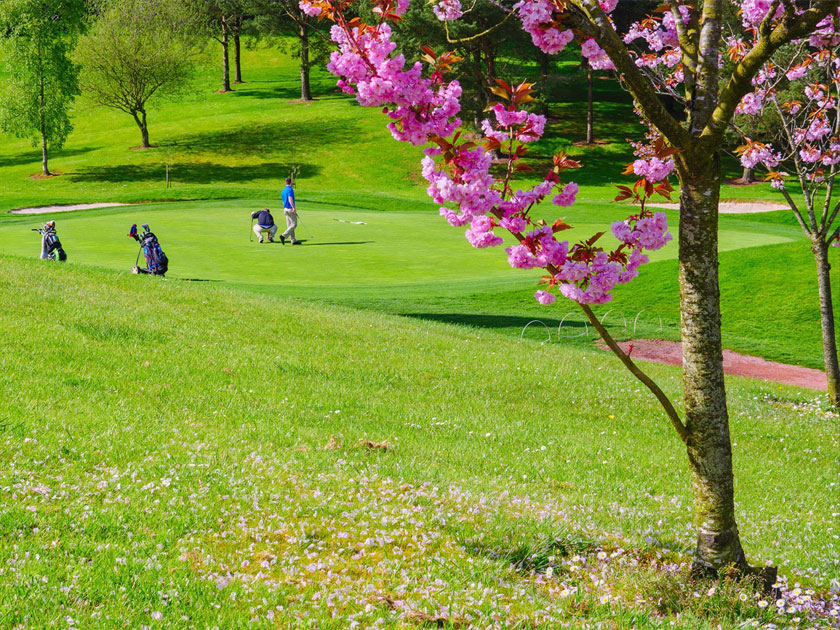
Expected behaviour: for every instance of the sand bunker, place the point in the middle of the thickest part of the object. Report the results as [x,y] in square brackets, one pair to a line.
[670,353]
[734,207]
[69,208]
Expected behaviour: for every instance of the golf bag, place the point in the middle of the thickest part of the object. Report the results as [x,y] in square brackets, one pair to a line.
[51,248]
[157,263]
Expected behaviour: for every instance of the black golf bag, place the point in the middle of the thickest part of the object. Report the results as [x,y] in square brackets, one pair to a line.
[51,248]
[157,263]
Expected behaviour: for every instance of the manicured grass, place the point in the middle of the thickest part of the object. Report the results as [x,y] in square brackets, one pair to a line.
[164,453]
[209,240]
[222,145]
[413,263]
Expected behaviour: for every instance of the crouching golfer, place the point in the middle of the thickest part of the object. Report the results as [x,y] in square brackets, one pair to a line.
[265,224]
[290,210]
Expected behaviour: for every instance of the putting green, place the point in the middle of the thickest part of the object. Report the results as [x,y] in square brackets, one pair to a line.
[209,241]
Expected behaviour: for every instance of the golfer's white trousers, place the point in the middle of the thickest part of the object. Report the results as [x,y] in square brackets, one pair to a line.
[291,224]
[258,230]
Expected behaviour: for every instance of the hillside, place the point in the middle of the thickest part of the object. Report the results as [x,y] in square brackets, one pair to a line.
[183,453]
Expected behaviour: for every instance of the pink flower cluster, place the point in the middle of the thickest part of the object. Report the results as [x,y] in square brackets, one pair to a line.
[309,9]
[596,57]
[759,153]
[645,233]
[654,169]
[751,104]
[754,11]
[459,175]
[448,10]
[535,15]
[367,67]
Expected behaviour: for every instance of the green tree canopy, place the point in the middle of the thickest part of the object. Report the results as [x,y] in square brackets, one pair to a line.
[37,37]
[138,50]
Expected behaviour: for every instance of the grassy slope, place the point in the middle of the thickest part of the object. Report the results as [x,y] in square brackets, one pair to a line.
[241,144]
[157,435]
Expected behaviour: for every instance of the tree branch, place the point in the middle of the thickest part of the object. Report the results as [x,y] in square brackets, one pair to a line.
[592,21]
[673,416]
[789,28]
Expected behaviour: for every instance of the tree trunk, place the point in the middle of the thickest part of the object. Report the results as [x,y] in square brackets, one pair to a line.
[41,113]
[237,57]
[225,58]
[305,91]
[44,166]
[545,66]
[832,370]
[590,107]
[706,416]
[144,128]
[748,177]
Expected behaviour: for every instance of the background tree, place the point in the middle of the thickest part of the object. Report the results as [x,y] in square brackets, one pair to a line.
[489,41]
[225,19]
[37,37]
[138,50]
[801,144]
[284,20]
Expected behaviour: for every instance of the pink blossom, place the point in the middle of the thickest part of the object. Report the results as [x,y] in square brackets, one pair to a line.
[544,297]
[810,154]
[308,9]
[520,258]
[447,10]
[654,169]
[751,104]
[567,197]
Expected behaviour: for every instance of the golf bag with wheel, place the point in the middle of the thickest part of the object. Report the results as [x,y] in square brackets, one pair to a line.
[51,248]
[157,263]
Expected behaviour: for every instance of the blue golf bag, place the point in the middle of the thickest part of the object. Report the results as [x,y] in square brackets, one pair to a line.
[157,263]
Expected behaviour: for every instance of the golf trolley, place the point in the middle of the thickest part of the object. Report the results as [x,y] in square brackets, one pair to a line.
[157,263]
[51,248]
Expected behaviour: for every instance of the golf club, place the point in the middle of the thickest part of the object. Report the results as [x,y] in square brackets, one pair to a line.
[251,232]
[300,225]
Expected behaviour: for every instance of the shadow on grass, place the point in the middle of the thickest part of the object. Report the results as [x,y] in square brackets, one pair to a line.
[189,173]
[286,92]
[266,139]
[34,156]
[344,243]
[491,321]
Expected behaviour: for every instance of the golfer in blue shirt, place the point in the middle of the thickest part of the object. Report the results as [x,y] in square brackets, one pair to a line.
[290,210]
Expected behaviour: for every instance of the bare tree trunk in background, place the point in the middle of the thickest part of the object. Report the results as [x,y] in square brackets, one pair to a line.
[832,370]
[237,53]
[545,66]
[41,106]
[305,91]
[748,176]
[144,127]
[225,58]
[590,107]
[44,165]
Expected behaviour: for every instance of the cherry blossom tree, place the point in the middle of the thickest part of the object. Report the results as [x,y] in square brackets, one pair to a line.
[676,51]
[801,87]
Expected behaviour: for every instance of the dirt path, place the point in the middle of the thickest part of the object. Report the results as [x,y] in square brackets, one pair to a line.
[670,353]
[69,208]
[734,207]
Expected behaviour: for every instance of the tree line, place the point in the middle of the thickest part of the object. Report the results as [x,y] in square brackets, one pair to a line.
[124,54]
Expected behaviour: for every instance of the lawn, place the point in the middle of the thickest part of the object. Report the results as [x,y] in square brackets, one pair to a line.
[232,152]
[278,437]
[186,455]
